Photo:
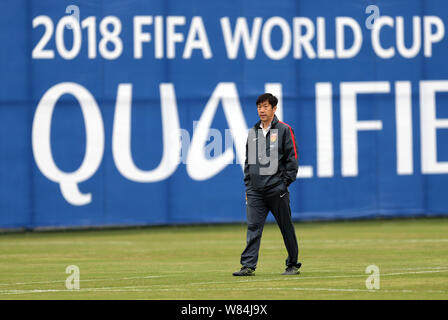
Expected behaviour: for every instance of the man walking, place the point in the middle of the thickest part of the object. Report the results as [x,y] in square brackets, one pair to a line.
[271,165]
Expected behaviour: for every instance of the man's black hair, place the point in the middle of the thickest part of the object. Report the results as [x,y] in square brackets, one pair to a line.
[269,97]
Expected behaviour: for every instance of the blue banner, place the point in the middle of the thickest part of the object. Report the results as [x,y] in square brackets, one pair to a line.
[137,112]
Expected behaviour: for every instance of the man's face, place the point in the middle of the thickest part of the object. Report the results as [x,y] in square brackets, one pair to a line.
[266,111]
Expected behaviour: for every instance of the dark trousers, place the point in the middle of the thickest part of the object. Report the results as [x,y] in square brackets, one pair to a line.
[258,206]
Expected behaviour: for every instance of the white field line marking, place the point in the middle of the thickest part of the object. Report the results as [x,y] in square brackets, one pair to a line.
[151,288]
[146,289]
[86,280]
[361,269]
[431,270]
[322,277]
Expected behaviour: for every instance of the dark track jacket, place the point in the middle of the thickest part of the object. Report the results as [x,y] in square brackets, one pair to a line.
[278,163]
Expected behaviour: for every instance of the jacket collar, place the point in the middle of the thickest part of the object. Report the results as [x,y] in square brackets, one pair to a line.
[273,123]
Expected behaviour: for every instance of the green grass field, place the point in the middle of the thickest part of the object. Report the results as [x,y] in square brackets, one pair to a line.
[196,262]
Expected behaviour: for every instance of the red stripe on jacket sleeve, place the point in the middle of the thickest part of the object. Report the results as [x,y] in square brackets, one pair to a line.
[293,138]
